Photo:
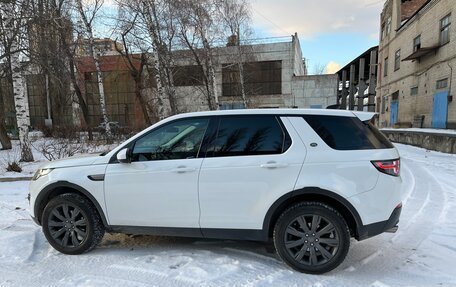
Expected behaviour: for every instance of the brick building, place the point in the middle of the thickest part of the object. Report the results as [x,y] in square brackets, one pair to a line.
[416,64]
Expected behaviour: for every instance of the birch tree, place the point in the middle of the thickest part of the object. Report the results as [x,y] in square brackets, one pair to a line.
[235,18]
[13,14]
[197,27]
[135,63]
[154,21]
[87,13]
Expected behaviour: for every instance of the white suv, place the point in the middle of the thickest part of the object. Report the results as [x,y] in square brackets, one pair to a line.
[309,179]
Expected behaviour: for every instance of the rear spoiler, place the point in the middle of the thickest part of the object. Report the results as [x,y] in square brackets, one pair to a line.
[364,116]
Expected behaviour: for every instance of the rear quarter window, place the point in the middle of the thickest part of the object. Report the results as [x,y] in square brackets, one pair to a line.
[347,133]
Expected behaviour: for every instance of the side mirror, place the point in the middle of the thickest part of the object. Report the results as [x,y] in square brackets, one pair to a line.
[123,156]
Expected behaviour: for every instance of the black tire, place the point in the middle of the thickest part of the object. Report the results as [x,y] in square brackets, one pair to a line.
[311,237]
[72,224]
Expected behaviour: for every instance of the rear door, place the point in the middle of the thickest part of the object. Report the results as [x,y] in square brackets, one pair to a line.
[250,162]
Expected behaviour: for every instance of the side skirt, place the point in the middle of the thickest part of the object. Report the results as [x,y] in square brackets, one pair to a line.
[234,234]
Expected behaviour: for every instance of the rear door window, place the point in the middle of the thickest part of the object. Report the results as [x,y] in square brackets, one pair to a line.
[248,135]
[347,133]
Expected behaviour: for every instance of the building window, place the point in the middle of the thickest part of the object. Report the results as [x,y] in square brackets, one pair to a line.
[445,30]
[388,25]
[385,67]
[260,78]
[382,33]
[36,93]
[417,43]
[413,91]
[395,96]
[188,76]
[384,103]
[397,60]
[442,84]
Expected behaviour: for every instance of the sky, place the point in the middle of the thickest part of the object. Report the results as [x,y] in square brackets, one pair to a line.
[331,32]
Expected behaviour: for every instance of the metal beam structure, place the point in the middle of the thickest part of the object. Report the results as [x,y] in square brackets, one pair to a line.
[372,81]
[361,85]
[343,102]
[352,90]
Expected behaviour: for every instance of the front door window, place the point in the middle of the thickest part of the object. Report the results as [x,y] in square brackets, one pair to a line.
[177,140]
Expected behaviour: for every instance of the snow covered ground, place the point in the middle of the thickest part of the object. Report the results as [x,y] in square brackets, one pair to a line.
[421,253]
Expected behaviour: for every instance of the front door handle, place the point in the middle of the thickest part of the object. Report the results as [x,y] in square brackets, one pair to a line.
[273,164]
[183,169]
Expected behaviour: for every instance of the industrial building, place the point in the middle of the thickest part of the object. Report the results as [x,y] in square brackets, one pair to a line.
[274,77]
[416,64]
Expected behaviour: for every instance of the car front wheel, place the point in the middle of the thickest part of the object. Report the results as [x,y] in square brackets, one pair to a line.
[72,224]
[311,237]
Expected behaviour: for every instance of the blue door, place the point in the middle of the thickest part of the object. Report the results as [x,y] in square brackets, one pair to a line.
[393,114]
[440,110]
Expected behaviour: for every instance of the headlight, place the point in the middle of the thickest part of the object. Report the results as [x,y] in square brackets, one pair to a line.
[41,172]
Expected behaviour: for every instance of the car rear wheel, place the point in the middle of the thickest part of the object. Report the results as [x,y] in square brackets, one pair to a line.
[72,224]
[311,237]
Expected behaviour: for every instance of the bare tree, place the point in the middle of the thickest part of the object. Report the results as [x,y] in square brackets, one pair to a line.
[235,18]
[154,20]
[135,64]
[197,30]
[61,19]
[12,24]
[87,13]
[319,69]
[5,141]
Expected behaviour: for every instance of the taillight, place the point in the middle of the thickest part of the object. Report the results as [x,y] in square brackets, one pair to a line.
[390,167]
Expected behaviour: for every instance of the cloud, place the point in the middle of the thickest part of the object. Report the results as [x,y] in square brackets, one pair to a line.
[332,67]
[311,17]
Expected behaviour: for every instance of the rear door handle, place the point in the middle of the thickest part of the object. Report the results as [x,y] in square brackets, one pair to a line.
[183,169]
[273,164]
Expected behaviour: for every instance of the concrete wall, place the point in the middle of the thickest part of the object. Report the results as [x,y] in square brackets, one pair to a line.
[297,90]
[438,142]
[316,90]
[423,73]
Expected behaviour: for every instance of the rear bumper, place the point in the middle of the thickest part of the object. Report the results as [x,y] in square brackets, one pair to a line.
[367,231]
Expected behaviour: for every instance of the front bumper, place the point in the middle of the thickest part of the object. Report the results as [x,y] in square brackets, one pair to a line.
[367,231]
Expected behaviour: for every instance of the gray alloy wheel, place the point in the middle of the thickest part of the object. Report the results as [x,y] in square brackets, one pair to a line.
[67,224]
[311,237]
[72,224]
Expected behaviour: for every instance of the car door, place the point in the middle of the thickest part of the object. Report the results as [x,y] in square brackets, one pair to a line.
[250,162]
[159,187]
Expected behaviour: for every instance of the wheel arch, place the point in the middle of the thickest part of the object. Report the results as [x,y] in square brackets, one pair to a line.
[330,198]
[61,187]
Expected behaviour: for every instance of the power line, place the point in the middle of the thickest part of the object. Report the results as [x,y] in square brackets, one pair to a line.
[270,21]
